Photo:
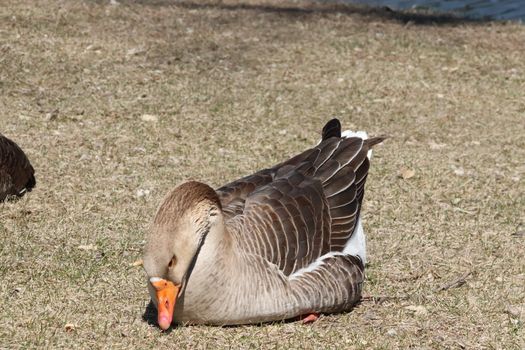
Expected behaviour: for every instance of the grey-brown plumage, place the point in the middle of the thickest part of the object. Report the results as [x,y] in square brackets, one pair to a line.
[16,173]
[279,244]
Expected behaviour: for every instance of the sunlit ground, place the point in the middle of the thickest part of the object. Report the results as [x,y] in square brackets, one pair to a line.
[116,104]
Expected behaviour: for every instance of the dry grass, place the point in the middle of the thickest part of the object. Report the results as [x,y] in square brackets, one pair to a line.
[235,89]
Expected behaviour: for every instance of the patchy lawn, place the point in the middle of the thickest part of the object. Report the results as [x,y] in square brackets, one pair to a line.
[115,104]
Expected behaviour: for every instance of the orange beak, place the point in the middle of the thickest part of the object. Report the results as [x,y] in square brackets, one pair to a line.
[166,297]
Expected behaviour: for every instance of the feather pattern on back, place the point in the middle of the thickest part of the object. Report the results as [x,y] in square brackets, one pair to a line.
[306,207]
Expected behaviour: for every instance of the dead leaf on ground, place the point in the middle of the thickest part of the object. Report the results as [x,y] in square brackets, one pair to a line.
[418,310]
[407,173]
[436,146]
[138,262]
[141,193]
[149,118]
[87,247]
[70,327]
[459,171]
[136,51]
[513,310]
[391,332]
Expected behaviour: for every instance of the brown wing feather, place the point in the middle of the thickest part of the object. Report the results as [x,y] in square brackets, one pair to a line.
[234,194]
[16,172]
[302,208]
[295,217]
[333,286]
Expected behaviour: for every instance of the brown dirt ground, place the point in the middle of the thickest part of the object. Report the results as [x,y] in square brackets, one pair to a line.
[110,102]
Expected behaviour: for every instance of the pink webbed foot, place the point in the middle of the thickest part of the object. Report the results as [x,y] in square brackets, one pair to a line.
[310,318]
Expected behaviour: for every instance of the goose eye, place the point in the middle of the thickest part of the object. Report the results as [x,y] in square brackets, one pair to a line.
[172,262]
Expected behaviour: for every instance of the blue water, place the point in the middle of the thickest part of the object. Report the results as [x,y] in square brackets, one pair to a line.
[492,9]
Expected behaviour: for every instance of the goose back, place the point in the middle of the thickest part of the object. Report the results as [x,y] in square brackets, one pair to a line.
[301,209]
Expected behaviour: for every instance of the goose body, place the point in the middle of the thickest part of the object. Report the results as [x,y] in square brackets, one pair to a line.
[16,173]
[283,242]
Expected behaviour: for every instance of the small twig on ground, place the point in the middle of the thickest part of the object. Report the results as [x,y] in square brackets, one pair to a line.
[413,277]
[382,299]
[458,282]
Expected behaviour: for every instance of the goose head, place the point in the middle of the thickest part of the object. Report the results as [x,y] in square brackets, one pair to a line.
[187,215]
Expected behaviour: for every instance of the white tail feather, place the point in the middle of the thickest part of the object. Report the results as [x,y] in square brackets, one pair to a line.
[356,245]
[361,134]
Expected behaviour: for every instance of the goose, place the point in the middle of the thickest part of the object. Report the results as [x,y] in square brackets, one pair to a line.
[281,243]
[17,176]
